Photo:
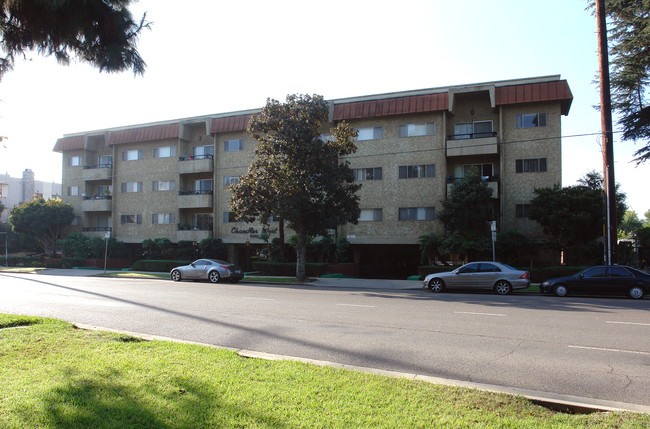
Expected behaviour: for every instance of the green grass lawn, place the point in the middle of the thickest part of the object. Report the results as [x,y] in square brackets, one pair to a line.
[55,376]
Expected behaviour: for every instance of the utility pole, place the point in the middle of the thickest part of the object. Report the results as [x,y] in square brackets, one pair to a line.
[610,225]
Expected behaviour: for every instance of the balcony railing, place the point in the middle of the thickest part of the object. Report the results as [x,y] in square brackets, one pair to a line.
[98,197]
[194,199]
[97,203]
[189,164]
[98,172]
[471,135]
[97,229]
[205,192]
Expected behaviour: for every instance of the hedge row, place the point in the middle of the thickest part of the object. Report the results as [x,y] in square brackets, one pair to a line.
[537,275]
[157,265]
[289,268]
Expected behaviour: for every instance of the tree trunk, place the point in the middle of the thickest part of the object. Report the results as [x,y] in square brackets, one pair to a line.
[301,251]
[281,229]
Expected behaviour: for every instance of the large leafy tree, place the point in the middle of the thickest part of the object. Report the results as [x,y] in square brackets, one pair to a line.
[466,216]
[100,32]
[629,51]
[572,217]
[297,176]
[42,221]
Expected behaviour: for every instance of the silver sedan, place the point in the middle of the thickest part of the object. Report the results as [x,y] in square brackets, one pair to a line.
[500,278]
[208,269]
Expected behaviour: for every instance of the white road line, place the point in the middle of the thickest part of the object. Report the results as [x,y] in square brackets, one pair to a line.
[609,350]
[260,299]
[629,323]
[480,314]
[357,305]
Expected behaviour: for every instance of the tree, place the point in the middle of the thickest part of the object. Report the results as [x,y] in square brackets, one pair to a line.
[100,32]
[629,38]
[466,216]
[42,220]
[297,176]
[572,216]
[430,245]
[629,224]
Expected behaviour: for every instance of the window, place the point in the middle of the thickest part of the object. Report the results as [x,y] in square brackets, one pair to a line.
[203,185]
[417,213]
[369,133]
[230,180]
[75,161]
[202,221]
[105,161]
[469,268]
[367,173]
[73,190]
[522,210]
[532,165]
[619,272]
[233,145]
[164,152]
[531,120]
[416,130]
[131,219]
[131,187]
[164,185]
[416,171]
[104,222]
[229,217]
[473,130]
[162,218]
[370,215]
[76,221]
[595,272]
[203,151]
[489,268]
[103,190]
[131,155]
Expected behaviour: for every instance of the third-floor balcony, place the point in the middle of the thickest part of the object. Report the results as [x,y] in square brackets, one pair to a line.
[472,144]
[98,172]
[195,164]
[97,203]
[194,199]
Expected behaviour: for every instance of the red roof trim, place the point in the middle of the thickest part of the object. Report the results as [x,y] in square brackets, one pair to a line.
[229,123]
[391,106]
[134,135]
[536,92]
[69,143]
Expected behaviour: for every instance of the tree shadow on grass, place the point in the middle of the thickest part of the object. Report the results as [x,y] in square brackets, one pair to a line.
[105,401]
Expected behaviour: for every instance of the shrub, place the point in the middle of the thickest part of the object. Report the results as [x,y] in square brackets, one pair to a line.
[288,269]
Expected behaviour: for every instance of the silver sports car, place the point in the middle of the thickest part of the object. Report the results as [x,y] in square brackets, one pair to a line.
[208,269]
[501,278]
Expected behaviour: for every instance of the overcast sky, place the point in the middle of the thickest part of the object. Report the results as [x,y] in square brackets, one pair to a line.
[206,57]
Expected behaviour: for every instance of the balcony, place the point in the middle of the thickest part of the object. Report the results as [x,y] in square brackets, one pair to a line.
[192,233]
[194,199]
[99,231]
[472,144]
[97,203]
[195,164]
[98,172]
[492,182]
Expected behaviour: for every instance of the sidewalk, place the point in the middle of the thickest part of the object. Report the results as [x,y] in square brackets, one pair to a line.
[385,284]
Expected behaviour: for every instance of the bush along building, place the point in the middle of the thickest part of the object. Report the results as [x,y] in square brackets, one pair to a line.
[168,179]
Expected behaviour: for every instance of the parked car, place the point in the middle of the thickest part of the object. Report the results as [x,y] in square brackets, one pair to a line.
[600,280]
[500,278]
[213,270]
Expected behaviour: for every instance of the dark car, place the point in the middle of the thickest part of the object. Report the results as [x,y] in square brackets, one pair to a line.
[601,280]
[208,269]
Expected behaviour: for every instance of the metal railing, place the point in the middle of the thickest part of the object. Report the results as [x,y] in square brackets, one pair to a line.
[97,228]
[471,135]
[195,157]
[97,197]
[208,192]
[88,167]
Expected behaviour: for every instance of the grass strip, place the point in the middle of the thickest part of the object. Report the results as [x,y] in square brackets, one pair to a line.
[53,375]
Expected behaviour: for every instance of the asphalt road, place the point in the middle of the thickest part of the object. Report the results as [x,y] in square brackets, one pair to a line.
[589,347]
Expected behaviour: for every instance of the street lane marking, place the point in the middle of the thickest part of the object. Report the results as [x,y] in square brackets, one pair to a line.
[357,305]
[630,323]
[480,314]
[609,350]
[260,299]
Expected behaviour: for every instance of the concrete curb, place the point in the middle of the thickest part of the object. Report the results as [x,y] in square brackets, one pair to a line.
[554,401]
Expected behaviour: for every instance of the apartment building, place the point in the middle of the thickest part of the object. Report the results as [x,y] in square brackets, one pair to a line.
[168,179]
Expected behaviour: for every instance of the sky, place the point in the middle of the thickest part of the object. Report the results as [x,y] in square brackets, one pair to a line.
[212,56]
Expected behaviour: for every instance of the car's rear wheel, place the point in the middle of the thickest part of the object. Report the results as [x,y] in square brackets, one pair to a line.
[176,275]
[436,285]
[502,287]
[214,277]
[636,292]
[560,290]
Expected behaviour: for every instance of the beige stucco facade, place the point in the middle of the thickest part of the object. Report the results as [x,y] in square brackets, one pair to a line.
[167,179]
